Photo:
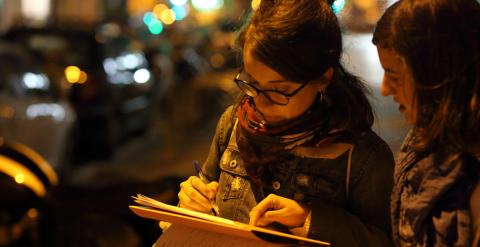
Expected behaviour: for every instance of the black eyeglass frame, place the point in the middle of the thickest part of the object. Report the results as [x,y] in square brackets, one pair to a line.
[250,90]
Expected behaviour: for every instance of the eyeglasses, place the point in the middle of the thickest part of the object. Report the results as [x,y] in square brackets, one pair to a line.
[243,81]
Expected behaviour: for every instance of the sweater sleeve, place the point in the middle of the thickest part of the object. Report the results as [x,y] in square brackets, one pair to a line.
[366,219]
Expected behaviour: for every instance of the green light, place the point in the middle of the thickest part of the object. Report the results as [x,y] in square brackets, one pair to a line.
[155,27]
[149,18]
[338,6]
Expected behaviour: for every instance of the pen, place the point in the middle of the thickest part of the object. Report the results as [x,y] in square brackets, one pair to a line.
[198,170]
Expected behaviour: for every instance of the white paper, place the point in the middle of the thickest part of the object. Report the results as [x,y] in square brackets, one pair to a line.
[184,236]
[150,202]
[216,231]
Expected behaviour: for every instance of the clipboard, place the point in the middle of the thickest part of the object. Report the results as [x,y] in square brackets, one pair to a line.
[200,222]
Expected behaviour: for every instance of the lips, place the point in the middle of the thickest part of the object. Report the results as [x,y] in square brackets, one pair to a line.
[401,107]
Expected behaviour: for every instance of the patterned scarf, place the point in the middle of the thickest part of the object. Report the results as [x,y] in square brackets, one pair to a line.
[260,144]
[430,199]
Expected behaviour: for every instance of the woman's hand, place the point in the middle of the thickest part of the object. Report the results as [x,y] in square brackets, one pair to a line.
[279,209]
[196,195]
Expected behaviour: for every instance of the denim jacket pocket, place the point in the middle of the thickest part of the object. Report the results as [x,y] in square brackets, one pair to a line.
[232,163]
[232,175]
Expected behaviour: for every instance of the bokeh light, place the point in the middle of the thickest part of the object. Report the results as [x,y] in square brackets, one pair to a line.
[149,18]
[158,9]
[32,213]
[338,6]
[178,2]
[72,74]
[180,12]
[83,77]
[207,5]
[256,4]
[168,16]
[156,27]
[217,60]
[20,178]
[141,76]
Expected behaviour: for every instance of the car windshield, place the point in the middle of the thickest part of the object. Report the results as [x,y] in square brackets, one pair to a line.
[58,52]
[117,56]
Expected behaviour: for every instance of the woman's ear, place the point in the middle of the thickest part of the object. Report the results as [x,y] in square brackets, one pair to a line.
[327,76]
[325,80]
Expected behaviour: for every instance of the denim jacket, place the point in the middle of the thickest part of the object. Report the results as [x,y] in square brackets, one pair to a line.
[315,176]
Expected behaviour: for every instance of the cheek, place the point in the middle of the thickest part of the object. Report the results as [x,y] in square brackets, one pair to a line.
[410,116]
[277,113]
[413,109]
[262,102]
[408,93]
[300,104]
[297,105]
[409,101]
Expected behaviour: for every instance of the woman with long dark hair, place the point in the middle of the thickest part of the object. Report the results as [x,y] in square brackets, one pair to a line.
[430,50]
[297,151]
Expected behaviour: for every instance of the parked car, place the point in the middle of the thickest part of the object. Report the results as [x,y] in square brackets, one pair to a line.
[38,211]
[26,182]
[31,110]
[106,78]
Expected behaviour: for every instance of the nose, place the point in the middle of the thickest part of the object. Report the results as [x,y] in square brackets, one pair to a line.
[386,88]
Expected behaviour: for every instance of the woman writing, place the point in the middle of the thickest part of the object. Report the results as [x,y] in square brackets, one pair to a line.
[430,50]
[297,150]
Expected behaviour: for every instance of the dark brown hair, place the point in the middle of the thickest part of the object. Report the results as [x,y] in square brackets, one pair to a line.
[301,39]
[440,42]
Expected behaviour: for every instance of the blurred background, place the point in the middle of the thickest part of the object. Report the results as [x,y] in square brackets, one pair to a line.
[104,99]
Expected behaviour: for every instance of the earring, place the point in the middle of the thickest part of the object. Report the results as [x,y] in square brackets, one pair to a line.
[324,99]
[322,96]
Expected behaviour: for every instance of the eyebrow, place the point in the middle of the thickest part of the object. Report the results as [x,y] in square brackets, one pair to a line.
[271,81]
